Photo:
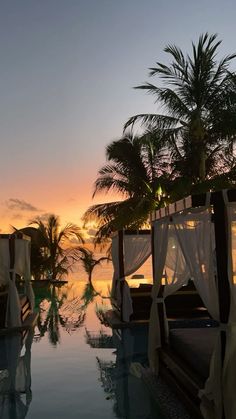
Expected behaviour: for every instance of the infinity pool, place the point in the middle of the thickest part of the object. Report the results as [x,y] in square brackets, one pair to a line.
[74,366]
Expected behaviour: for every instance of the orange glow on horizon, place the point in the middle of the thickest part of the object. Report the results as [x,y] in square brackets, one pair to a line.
[68,207]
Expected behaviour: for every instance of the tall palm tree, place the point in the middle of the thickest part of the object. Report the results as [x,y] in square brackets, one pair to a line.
[198,95]
[38,258]
[138,170]
[56,242]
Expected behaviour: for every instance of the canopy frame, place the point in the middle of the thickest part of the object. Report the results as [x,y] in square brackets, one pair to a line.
[121,268]
[218,203]
[10,267]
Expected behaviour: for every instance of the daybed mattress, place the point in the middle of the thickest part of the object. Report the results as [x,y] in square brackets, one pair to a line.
[195,347]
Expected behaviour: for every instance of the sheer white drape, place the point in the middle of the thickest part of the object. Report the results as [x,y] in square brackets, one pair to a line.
[22,267]
[122,299]
[194,232]
[221,384]
[229,372]
[115,262]
[196,237]
[160,232]
[176,270]
[136,250]
[231,212]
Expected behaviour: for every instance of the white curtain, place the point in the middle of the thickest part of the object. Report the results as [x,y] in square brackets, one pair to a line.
[22,267]
[160,251]
[196,237]
[115,262]
[229,369]
[122,299]
[221,384]
[231,212]
[194,232]
[176,269]
[136,250]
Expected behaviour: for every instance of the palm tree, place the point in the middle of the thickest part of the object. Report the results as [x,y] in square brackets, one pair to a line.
[38,258]
[89,262]
[198,96]
[56,244]
[138,170]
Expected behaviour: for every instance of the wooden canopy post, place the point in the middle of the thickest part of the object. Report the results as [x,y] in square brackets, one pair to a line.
[221,239]
[160,305]
[121,267]
[12,254]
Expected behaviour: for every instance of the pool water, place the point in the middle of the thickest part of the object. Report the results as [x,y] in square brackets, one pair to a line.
[73,366]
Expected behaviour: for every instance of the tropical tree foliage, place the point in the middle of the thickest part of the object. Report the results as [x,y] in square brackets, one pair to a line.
[38,257]
[89,261]
[186,149]
[198,98]
[135,169]
[55,243]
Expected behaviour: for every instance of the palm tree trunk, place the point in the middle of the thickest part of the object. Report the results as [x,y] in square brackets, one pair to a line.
[202,164]
[90,278]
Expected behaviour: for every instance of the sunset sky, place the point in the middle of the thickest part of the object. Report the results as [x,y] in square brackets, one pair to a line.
[67,72]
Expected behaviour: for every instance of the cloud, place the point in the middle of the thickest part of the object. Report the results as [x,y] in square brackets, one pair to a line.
[20,205]
[44,217]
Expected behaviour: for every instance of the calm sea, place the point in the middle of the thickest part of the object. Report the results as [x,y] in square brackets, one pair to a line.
[105,270]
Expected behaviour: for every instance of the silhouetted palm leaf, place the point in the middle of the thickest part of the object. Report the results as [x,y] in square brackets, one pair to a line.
[198,97]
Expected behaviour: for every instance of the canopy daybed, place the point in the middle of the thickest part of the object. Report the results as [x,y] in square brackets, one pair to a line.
[130,250]
[15,260]
[198,236]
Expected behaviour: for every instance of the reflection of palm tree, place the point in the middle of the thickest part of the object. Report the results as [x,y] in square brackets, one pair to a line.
[99,339]
[53,318]
[60,312]
[89,294]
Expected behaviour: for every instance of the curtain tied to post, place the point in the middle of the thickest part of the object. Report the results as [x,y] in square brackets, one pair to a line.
[136,248]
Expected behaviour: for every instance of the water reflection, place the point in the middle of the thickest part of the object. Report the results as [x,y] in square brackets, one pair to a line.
[15,375]
[89,294]
[62,307]
[99,339]
[121,379]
